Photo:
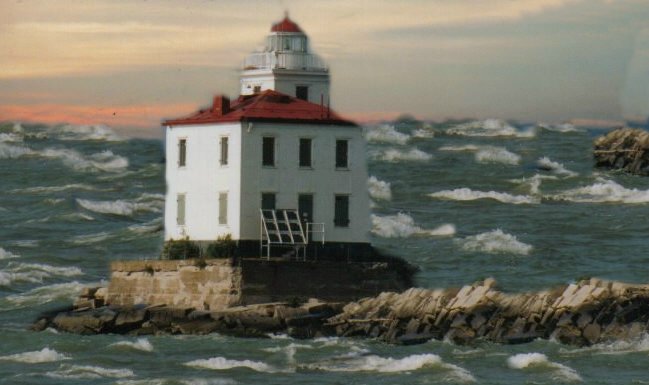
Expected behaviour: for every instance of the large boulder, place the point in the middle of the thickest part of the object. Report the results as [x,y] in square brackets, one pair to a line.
[624,149]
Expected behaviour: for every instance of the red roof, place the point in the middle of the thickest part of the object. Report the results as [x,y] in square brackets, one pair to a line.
[267,106]
[286,25]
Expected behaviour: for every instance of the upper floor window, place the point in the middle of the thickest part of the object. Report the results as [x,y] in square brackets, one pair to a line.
[302,92]
[305,152]
[257,89]
[182,152]
[342,148]
[268,151]
[224,151]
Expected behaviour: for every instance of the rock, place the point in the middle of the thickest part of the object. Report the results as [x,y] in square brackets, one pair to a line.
[129,319]
[625,149]
[86,322]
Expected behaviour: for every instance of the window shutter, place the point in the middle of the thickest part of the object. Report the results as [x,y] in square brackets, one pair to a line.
[224,151]
[180,213]
[182,152]
[223,208]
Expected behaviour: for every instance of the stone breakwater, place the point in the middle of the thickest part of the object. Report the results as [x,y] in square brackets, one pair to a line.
[584,313]
[623,149]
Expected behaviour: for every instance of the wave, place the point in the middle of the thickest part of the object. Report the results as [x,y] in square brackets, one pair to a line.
[190,381]
[538,360]
[33,272]
[121,207]
[48,189]
[36,357]
[4,254]
[497,155]
[374,363]
[379,190]
[423,133]
[44,294]
[635,345]
[150,227]
[290,350]
[394,155]
[546,164]
[8,151]
[86,132]
[102,161]
[466,194]
[385,134]
[88,372]
[604,191]
[141,344]
[222,363]
[533,183]
[24,243]
[403,225]
[90,238]
[466,147]
[562,127]
[495,242]
[489,127]
[10,137]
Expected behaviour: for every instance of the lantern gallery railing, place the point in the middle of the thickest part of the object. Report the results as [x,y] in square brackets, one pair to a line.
[281,60]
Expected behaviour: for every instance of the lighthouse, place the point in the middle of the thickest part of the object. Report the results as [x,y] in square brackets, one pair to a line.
[275,169]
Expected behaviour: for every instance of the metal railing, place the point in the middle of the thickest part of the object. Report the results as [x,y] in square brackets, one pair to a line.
[284,60]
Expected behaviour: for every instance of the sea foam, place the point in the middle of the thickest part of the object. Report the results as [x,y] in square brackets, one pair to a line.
[8,151]
[385,134]
[141,344]
[538,360]
[45,294]
[379,190]
[604,191]
[33,272]
[102,161]
[489,127]
[466,194]
[36,357]
[86,132]
[4,254]
[394,155]
[403,225]
[501,155]
[495,242]
[119,207]
[222,363]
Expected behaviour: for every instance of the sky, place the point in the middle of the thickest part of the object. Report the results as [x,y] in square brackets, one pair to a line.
[131,64]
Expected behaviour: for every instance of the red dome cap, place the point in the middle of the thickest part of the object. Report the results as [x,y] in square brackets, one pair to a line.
[286,25]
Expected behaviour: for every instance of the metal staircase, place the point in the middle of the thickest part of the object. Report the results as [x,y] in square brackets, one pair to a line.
[282,227]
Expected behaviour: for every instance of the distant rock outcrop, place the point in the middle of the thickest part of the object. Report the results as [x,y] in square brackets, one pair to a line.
[624,149]
[584,313]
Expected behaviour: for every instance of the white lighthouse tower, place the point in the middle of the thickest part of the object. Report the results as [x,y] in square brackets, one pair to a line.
[286,64]
[274,168]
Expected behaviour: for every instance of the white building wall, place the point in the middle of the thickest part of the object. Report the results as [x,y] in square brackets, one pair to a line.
[285,81]
[202,179]
[264,79]
[288,180]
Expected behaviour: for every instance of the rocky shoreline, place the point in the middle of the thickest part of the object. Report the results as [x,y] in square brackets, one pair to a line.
[624,149]
[585,313]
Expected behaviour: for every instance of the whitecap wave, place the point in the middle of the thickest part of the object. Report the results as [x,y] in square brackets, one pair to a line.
[48,189]
[10,137]
[290,350]
[394,155]
[141,344]
[497,155]
[34,272]
[539,360]
[533,183]
[604,191]
[36,357]
[222,363]
[150,227]
[547,164]
[423,133]
[86,132]
[374,363]
[495,242]
[403,225]
[489,127]
[88,372]
[466,194]
[561,127]
[385,134]
[45,294]
[8,151]
[379,190]
[466,147]
[119,207]
[103,161]
[4,254]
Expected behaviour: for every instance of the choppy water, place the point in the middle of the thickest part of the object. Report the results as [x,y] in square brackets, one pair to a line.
[462,201]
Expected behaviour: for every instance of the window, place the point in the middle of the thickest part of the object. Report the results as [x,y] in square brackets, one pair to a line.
[305,207]
[224,151]
[341,211]
[305,152]
[257,89]
[341,153]
[268,151]
[180,210]
[223,208]
[268,201]
[182,152]
[302,92]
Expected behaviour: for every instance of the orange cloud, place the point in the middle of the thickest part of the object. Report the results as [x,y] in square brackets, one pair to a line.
[136,120]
